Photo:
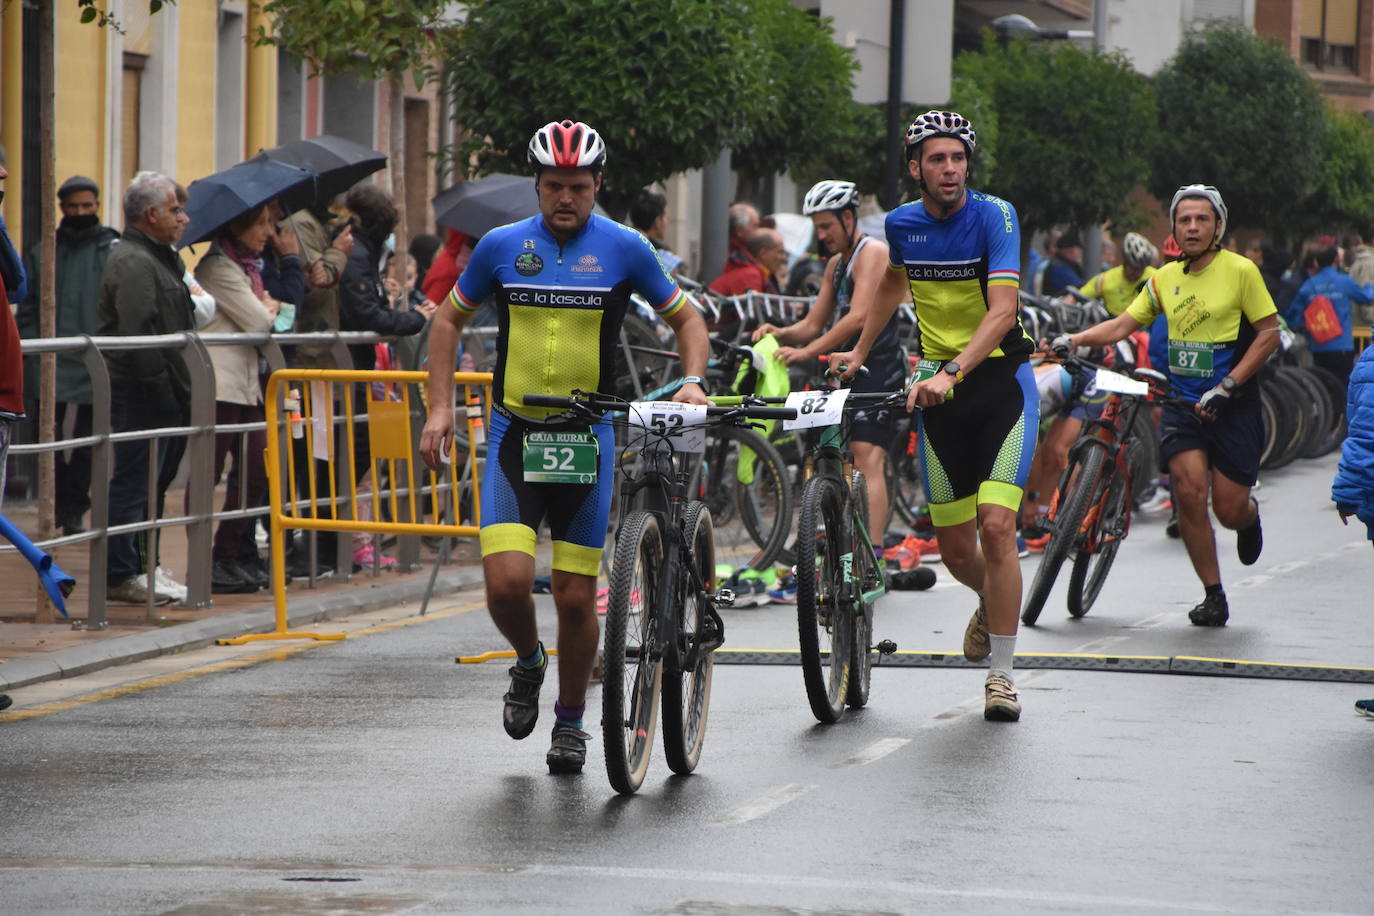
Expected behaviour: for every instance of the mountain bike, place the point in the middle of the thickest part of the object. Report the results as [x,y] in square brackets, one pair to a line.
[662,628]
[1090,511]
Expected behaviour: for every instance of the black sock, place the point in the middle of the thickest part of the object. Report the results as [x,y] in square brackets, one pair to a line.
[1216,590]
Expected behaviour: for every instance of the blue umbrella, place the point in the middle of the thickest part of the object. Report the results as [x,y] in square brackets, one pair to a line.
[338,163]
[217,199]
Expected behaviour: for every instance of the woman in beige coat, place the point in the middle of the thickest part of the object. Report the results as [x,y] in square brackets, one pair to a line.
[231,272]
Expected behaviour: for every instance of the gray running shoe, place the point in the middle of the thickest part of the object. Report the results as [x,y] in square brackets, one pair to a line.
[522,700]
[977,646]
[1000,702]
[134,590]
[568,752]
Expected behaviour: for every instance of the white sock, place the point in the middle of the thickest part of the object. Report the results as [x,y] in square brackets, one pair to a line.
[1003,649]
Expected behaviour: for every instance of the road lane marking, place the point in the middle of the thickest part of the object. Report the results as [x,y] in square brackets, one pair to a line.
[875,751]
[1288,567]
[765,803]
[253,657]
[1252,581]
[1097,645]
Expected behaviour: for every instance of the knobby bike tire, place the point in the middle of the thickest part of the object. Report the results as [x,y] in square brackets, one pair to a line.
[905,492]
[1108,530]
[1336,395]
[823,625]
[1274,421]
[1070,510]
[632,668]
[762,508]
[865,569]
[1142,456]
[1320,411]
[1288,400]
[687,693]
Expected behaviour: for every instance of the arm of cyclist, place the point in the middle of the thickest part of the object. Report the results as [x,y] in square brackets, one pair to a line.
[693,346]
[1265,343]
[444,333]
[1002,306]
[810,326]
[870,263]
[876,298]
[1102,334]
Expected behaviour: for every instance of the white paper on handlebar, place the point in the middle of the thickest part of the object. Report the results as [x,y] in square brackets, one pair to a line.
[684,424]
[816,408]
[1117,383]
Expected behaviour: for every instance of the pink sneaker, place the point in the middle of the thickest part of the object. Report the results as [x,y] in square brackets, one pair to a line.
[364,556]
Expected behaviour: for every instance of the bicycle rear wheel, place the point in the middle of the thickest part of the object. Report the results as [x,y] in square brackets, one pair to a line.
[1109,528]
[632,665]
[866,575]
[743,480]
[687,693]
[905,492]
[824,629]
[1077,486]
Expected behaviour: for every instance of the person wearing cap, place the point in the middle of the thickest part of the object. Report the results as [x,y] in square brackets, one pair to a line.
[1066,265]
[561,281]
[1222,326]
[83,246]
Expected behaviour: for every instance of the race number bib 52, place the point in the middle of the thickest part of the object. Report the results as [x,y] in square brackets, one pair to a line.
[561,457]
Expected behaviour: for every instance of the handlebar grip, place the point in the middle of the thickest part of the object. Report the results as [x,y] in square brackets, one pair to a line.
[771,413]
[547,400]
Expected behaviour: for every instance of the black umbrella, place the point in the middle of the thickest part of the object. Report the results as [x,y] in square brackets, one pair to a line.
[478,205]
[216,199]
[338,163]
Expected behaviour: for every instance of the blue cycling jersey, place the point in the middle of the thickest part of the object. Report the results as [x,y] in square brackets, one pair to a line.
[560,304]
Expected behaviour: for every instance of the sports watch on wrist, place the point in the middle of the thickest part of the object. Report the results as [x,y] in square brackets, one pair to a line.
[952,368]
[1228,384]
[696,379]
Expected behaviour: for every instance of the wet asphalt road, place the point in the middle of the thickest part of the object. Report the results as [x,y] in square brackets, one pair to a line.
[372,775]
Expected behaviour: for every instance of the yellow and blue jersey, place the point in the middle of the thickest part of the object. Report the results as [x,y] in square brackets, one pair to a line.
[950,264]
[560,305]
[1116,292]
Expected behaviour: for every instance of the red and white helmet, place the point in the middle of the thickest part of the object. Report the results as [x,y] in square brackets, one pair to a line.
[566,145]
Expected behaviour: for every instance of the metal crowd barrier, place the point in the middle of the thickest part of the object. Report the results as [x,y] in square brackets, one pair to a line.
[200,518]
[302,420]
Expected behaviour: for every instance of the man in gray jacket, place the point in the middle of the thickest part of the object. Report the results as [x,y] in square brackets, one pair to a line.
[142,292]
[83,245]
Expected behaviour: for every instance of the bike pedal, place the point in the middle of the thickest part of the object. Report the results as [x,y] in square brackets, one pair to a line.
[886,647]
[724,598]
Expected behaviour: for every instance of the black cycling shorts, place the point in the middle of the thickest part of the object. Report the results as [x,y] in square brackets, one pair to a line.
[1233,441]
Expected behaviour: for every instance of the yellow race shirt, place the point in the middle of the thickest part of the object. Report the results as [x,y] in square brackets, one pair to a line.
[1210,313]
[1115,291]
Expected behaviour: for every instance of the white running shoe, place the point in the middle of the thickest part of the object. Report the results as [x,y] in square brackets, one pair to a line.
[133,590]
[1156,500]
[164,584]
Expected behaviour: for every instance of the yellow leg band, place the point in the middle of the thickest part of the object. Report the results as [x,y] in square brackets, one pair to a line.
[947,515]
[997,493]
[575,558]
[507,536]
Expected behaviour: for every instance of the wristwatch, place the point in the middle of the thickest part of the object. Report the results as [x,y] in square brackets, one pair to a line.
[693,378]
[952,368]
[1228,384]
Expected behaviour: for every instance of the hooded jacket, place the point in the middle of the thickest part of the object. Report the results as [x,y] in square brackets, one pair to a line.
[1353,488]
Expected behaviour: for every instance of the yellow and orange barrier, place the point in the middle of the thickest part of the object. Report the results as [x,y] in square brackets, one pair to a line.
[302,405]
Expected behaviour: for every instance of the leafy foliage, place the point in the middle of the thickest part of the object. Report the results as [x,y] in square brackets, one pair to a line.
[1073,130]
[102,18]
[1344,197]
[807,102]
[1236,111]
[668,84]
[369,40]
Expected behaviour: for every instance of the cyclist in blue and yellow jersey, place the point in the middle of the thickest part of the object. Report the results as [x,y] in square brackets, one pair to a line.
[957,251]
[562,282]
[1117,287]
[856,258]
[1222,326]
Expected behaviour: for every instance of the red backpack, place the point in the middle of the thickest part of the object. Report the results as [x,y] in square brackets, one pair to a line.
[1320,320]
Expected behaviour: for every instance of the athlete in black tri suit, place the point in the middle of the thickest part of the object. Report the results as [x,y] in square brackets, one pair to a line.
[958,253]
[834,209]
[562,282]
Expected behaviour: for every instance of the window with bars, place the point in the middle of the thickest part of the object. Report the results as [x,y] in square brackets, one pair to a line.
[1330,30]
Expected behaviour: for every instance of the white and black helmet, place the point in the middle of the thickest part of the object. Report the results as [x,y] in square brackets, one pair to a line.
[936,123]
[1201,192]
[1138,251]
[830,195]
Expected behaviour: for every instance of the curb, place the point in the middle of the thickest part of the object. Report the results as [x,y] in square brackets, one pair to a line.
[107,653]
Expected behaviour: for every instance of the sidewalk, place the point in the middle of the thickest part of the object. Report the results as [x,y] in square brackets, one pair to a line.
[32,651]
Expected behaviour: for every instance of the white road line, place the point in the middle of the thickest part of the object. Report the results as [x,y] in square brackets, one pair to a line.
[1252,581]
[875,751]
[1288,567]
[976,703]
[765,803]
[1154,621]
[1098,644]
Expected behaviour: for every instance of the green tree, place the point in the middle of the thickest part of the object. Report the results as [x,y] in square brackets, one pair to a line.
[1344,196]
[808,107]
[668,84]
[1235,111]
[1073,131]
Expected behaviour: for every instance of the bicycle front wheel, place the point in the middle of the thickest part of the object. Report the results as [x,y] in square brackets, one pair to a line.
[687,692]
[633,665]
[1077,487]
[1090,567]
[866,576]
[823,624]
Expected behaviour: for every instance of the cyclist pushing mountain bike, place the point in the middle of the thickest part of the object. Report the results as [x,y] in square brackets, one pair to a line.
[958,252]
[1222,326]
[562,282]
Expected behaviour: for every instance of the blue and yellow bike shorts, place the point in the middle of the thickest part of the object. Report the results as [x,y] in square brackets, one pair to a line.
[976,448]
[513,508]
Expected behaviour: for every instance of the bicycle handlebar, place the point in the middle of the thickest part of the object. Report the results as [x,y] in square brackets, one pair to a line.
[590,400]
